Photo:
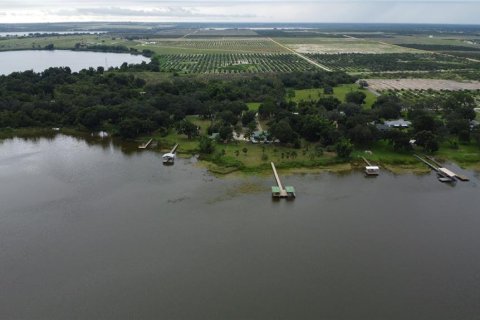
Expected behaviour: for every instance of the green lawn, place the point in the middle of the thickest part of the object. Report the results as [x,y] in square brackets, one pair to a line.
[382,153]
[253,106]
[203,124]
[340,92]
[466,154]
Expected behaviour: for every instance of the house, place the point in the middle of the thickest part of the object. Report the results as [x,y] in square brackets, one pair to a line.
[474,124]
[260,136]
[382,128]
[398,124]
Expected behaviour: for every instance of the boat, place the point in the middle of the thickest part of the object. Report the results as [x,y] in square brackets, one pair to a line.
[372,170]
[168,158]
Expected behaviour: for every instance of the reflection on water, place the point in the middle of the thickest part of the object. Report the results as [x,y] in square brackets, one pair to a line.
[39,60]
[93,228]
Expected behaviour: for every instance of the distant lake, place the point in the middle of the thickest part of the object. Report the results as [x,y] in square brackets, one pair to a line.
[39,60]
[26,33]
[96,229]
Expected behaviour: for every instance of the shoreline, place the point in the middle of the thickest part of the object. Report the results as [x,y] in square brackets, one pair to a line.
[327,164]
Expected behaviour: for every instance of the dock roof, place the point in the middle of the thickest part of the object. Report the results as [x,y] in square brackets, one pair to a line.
[447,172]
[275,189]
[290,189]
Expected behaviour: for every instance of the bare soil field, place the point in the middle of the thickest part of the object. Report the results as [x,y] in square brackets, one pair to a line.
[421,84]
[346,45]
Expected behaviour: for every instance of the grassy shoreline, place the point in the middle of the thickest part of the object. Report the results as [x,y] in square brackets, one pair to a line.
[230,159]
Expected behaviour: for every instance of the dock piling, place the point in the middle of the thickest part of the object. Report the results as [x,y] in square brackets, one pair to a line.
[145,145]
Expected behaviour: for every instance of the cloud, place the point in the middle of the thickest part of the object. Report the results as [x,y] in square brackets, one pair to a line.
[172,12]
[328,11]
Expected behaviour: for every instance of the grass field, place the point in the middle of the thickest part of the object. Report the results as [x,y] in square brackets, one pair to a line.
[63,42]
[253,106]
[382,154]
[339,92]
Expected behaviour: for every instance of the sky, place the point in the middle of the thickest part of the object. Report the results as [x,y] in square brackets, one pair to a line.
[370,11]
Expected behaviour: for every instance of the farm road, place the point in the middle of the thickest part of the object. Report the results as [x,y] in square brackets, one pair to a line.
[318,65]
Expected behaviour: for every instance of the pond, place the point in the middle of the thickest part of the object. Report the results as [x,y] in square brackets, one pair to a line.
[92,229]
[39,60]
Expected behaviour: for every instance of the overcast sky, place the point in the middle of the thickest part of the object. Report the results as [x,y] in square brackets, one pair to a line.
[426,11]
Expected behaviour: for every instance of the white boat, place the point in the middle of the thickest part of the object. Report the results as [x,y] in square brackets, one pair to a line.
[372,170]
[169,158]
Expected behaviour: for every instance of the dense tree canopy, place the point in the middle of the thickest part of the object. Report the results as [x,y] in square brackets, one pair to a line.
[117,101]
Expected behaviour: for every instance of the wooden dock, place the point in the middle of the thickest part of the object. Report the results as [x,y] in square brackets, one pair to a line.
[366,161]
[174,149]
[431,166]
[279,191]
[145,145]
[458,176]
[445,175]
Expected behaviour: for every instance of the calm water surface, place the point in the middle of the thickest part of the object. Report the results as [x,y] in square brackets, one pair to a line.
[39,60]
[28,33]
[88,231]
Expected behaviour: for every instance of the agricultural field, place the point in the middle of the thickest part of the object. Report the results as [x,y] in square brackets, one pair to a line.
[222,33]
[233,63]
[460,46]
[419,62]
[234,51]
[244,45]
[458,40]
[380,85]
[340,45]
[62,42]
[412,96]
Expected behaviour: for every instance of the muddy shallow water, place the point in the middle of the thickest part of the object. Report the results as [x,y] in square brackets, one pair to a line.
[89,230]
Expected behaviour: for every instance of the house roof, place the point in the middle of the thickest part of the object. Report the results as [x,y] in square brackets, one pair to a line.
[398,123]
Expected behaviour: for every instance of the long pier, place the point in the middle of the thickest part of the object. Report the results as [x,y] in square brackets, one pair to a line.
[458,176]
[446,174]
[145,145]
[174,149]
[431,166]
[277,178]
[367,162]
[279,191]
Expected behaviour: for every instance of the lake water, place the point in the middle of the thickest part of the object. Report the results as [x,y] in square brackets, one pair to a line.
[39,60]
[95,230]
[28,33]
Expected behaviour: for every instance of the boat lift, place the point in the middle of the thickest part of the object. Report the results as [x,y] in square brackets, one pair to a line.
[371,170]
[169,158]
